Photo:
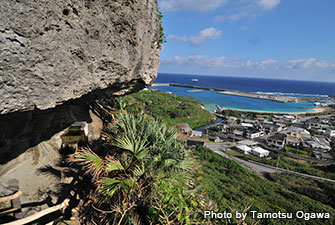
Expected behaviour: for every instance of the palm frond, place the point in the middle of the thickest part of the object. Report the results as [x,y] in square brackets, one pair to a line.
[90,161]
[136,146]
[113,165]
[109,186]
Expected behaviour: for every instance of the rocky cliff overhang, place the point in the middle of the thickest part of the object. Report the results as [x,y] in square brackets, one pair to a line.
[55,51]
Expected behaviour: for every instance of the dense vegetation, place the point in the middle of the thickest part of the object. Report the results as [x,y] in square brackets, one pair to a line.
[321,191]
[141,175]
[169,108]
[233,187]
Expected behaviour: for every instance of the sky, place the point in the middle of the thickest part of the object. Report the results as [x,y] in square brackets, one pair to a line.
[277,39]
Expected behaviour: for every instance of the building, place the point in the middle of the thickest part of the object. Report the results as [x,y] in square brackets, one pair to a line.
[196,133]
[247,125]
[260,152]
[330,132]
[293,141]
[243,149]
[303,133]
[185,128]
[238,133]
[318,146]
[276,141]
[254,134]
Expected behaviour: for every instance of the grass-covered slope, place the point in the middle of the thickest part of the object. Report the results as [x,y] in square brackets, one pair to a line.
[233,187]
[321,191]
[169,108]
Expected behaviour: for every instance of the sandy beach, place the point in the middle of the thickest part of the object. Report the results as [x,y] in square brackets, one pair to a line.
[315,111]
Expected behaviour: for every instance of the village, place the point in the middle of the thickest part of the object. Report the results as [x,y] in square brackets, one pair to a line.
[309,138]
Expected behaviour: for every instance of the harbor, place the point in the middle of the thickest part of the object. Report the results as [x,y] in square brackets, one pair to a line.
[275,98]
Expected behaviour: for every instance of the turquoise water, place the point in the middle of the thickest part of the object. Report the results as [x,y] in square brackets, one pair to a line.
[211,98]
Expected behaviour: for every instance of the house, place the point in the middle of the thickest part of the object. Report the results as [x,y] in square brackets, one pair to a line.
[293,141]
[280,126]
[247,125]
[238,132]
[196,133]
[268,127]
[250,121]
[231,119]
[326,156]
[216,139]
[303,133]
[260,152]
[243,149]
[185,128]
[318,146]
[254,134]
[276,141]
[330,132]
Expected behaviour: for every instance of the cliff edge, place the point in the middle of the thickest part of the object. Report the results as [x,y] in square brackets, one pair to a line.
[55,51]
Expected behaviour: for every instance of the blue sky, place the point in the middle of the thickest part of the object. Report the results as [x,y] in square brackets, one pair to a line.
[280,39]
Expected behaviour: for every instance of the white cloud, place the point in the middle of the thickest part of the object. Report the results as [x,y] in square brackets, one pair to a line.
[191,5]
[306,63]
[227,62]
[208,62]
[268,4]
[322,64]
[247,9]
[205,35]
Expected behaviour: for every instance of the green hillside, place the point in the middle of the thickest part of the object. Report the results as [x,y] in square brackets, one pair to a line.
[233,187]
[169,108]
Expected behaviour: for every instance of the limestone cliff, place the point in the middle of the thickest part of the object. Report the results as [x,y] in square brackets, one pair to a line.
[55,51]
[55,58]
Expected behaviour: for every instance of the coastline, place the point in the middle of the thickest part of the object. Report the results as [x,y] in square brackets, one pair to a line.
[315,111]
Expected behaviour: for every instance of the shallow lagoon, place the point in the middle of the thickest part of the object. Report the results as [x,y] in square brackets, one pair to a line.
[211,98]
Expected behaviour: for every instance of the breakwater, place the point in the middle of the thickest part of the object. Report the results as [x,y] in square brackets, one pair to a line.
[276,98]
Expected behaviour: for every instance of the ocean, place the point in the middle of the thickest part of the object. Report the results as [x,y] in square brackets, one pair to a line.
[267,86]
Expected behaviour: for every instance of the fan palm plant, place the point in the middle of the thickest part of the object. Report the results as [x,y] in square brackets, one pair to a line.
[142,152]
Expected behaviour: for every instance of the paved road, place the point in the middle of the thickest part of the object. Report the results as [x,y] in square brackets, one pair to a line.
[259,168]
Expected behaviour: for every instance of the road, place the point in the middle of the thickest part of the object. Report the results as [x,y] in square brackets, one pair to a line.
[259,168]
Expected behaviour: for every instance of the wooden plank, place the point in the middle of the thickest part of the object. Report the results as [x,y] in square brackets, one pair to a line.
[40,214]
[6,211]
[11,197]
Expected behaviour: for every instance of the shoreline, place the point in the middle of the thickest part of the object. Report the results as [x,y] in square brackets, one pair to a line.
[275,98]
[315,111]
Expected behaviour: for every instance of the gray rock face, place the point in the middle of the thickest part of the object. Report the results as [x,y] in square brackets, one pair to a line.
[55,51]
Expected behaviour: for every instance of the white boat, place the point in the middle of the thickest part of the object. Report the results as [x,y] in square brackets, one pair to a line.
[195,80]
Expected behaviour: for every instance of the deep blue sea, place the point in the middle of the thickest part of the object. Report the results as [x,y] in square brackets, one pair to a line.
[270,86]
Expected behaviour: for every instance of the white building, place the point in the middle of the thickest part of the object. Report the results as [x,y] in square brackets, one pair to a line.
[196,133]
[330,132]
[260,152]
[249,125]
[244,149]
